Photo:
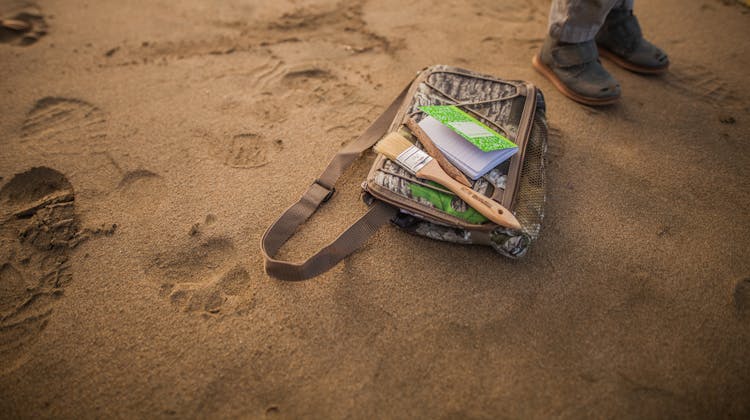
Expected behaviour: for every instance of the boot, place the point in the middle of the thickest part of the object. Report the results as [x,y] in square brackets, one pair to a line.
[575,71]
[621,41]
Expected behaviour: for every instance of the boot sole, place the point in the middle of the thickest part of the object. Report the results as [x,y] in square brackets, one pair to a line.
[609,55]
[549,74]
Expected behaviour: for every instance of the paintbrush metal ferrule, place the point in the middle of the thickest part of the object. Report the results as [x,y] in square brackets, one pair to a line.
[413,159]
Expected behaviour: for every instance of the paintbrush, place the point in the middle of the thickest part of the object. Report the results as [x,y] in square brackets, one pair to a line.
[436,154]
[400,150]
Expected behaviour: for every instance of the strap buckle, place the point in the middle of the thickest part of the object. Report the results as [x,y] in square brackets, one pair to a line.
[331,190]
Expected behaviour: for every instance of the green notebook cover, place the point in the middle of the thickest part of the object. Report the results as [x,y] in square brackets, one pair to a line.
[444,202]
[468,127]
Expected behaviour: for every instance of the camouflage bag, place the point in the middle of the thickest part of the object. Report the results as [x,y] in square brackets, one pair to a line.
[513,108]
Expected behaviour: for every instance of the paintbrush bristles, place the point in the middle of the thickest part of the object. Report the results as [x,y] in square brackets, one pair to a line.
[392,145]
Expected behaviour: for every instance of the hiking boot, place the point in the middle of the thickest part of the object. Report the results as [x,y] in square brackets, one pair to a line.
[621,41]
[575,71]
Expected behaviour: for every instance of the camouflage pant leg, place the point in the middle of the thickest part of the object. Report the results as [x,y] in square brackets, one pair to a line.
[580,20]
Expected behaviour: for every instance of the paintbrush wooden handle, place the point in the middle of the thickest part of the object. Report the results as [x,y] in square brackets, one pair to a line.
[484,205]
[433,151]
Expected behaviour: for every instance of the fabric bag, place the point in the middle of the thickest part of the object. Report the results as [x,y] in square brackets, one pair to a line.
[513,108]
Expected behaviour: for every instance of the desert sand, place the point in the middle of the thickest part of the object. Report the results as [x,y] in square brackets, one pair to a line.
[146,145]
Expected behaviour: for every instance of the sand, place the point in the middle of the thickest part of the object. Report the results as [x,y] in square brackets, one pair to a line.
[152,142]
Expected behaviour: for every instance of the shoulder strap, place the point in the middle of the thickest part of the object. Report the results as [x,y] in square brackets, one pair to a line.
[319,192]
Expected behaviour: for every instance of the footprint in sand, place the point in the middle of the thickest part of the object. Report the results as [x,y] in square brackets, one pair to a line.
[213,295]
[58,126]
[341,24]
[309,78]
[250,150]
[38,227]
[132,177]
[200,276]
[306,73]
[21,23]
[64,121]
[702,85]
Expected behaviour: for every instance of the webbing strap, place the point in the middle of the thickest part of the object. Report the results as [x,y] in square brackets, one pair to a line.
[575,54]
[319,192]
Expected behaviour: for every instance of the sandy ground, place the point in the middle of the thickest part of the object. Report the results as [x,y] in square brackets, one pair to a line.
[168,135]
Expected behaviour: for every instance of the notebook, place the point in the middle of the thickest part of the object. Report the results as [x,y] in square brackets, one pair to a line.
[467,157]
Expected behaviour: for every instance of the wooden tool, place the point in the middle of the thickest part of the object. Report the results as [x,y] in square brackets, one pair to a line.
[395,147]
[433,151]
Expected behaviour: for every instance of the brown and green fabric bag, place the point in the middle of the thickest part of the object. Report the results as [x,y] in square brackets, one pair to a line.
[514,108]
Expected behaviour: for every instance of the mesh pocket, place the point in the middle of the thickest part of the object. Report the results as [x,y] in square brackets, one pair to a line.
[529,206]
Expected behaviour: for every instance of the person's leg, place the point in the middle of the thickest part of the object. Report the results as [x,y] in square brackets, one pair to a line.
[569,56]
[621,41]
[624,4]
[575,21]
